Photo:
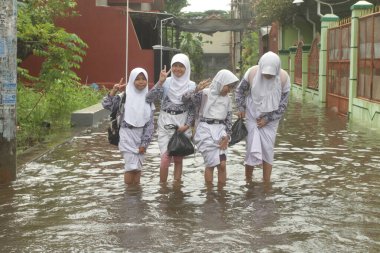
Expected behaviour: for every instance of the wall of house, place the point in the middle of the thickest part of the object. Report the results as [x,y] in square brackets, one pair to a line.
[104,31]
[332,85]
[290,35]
[220,43]
[217,54]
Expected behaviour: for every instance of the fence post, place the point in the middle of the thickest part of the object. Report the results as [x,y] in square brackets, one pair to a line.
[292,55]
[305,67]
[325,24]
[354,53]
[8,89]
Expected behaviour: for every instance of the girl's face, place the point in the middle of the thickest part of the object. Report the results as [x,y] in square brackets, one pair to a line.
[140,82]
[227,89]
[267,76]
[178,69]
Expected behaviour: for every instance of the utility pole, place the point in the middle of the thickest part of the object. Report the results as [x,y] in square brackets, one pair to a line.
[8,89]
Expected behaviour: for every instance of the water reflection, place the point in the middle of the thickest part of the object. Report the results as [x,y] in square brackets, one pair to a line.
[324,197]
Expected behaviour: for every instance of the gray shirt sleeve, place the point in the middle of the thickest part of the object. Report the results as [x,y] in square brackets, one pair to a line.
[148,132]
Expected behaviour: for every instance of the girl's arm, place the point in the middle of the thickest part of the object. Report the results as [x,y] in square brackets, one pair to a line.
[110,102]
[194,97]
[276,115]
[155,93]
[228,123]
[148,132]
[279,113]
[240,95]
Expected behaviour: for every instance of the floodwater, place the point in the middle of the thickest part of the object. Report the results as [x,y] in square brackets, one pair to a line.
[324,197]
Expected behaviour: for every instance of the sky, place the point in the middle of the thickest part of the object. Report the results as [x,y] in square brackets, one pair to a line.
[204,5]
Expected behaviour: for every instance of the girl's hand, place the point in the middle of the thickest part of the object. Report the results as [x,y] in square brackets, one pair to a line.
[203,84]
[142,150]
[163,75]
[117,87]
[241,115]
[183,128]
[261,122]
[223,144]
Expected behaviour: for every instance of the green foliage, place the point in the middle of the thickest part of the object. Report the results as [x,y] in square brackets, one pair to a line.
[38,113]
[274,10]
[202,15]
[174,6]
[250,54]
[56,91]
[192,46]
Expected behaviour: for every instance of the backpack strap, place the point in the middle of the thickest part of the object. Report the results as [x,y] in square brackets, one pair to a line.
[203,103]
[115,112]
[252,73]
[254,69]
[122,102]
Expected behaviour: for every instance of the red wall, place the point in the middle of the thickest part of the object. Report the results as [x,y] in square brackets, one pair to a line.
[104,31]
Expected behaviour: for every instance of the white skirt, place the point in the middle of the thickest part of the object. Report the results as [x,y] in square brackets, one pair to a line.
[164,135]
[260,142]
[207,138]
[129,144]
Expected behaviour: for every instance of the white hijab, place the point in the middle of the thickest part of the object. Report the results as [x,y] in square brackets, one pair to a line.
[266,93]
[218,106]
[179,85]
[137,111]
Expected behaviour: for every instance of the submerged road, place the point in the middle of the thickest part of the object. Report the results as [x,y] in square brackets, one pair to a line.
[324,197]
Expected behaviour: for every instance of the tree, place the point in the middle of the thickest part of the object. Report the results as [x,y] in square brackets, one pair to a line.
[175,6]
[274,10]
[250,54]
[192,46]
[47,99]
[61,51]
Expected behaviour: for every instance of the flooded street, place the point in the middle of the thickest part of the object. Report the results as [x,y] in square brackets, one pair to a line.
[324,197]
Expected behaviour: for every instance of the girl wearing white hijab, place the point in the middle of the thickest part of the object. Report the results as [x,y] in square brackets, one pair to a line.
[136,122]
[175,110]
[213,131]
[262,97]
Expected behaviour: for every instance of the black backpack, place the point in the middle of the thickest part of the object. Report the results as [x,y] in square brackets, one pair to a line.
[114,127]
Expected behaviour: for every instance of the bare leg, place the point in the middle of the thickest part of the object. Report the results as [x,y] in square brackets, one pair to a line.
[267,171]
[209,174]
[178,167]
[164,167]
[137,176]
[248,173]
[128,177]
[222,173]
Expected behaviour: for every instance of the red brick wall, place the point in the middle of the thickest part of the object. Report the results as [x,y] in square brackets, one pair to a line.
[104,31]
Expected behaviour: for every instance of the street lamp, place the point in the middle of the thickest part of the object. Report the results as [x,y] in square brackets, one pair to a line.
[127,44]
[162,22]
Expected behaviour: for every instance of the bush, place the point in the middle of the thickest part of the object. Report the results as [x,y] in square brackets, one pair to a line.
[41,114]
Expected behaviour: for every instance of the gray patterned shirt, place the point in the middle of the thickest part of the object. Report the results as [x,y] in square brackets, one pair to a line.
[111,103]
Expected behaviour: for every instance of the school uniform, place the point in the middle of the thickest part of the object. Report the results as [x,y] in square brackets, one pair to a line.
[215,118]
[264,98]
[174,109]
[135,119]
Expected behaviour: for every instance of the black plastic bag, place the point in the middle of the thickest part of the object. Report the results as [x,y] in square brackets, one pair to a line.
[179,144]
[113,133]
[239,132]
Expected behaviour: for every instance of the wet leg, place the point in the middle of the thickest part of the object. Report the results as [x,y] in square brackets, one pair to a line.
[128,178]
[222,173]
[267,171]
[178,163]
[164,167]
[248,173]
[136,177]
[209,174]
